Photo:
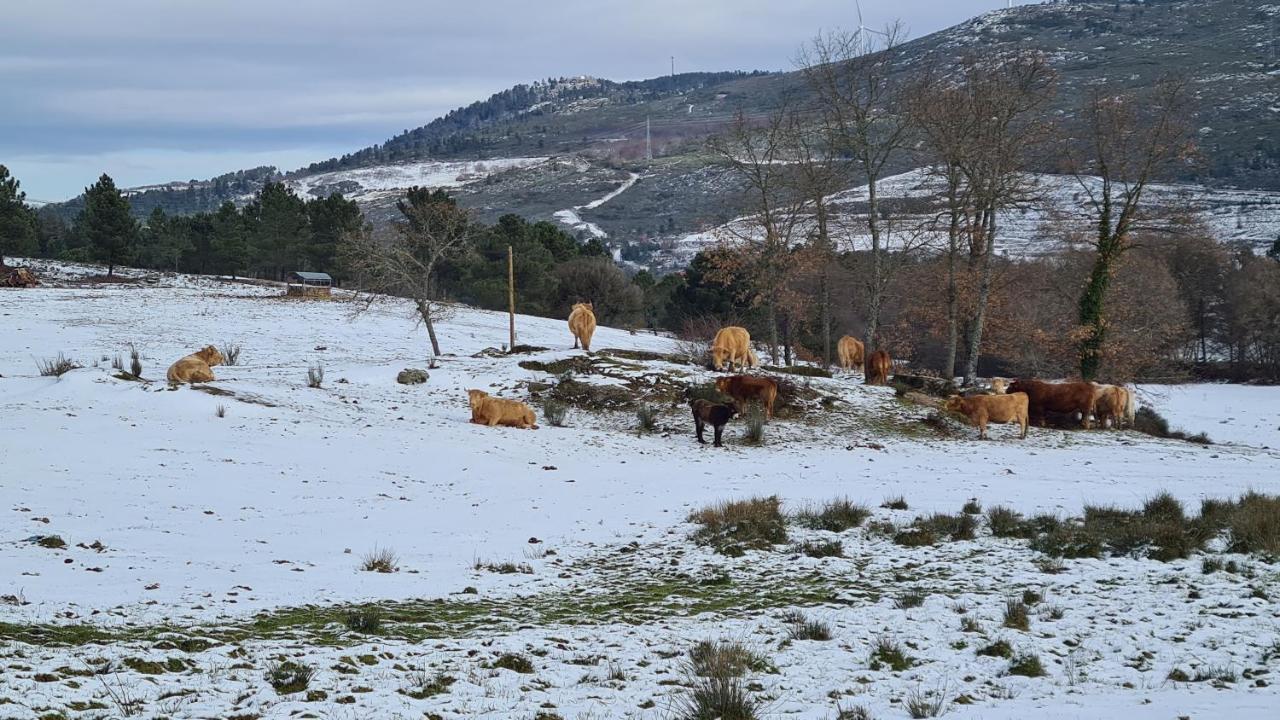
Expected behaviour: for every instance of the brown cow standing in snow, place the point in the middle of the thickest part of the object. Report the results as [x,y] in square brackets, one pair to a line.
[1067,398]
[850,350]
[981,409]
[745,388]
[878,367]
[582,323]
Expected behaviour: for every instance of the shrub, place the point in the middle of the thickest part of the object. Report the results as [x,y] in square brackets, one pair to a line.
[910,599]
[425,685]
[315,375]
[220,411]
[753,421]
[925,704]
[383,560]
[646,419]
[972,507]
[1016,615]
[53,542]
[1050,565]
[1255,524]
[230,353]
[555,412]
[857,712]
[915,537]
[365,619]
[1031,597]
[717,698]
[999,648]
[505,567]
[956,527]
[898,503]
[117,363]
[1004,522]
[806,629]
[755,524]
[827,549]
[835,516]
[888,653]
[970,625]
[288,676]
[1148,421]
[1026,665]
[514,663]
[722,658]
[57,367]
[135,361]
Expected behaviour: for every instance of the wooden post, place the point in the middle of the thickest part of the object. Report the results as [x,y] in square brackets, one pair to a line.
[511,296]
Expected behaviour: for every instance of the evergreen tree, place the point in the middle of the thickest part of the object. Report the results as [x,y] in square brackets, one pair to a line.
[1274,251]
[51,232]
[330,220]
[230,240]
[279,232]
[110,230]
[17,221]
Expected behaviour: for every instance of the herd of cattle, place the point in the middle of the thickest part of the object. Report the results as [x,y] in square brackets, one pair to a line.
[1022,402]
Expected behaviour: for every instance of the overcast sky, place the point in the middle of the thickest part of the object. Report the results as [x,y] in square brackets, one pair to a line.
[157,90]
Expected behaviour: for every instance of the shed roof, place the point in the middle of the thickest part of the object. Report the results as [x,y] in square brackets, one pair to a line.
[310,275]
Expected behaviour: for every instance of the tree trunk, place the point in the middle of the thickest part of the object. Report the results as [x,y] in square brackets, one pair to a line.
[786,339]
[984,292]
[824,311]
[873,299]
[773,333]
[953,300]
[424,311]
[1092,315]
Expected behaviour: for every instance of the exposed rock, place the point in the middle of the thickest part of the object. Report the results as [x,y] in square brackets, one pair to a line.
[412,376]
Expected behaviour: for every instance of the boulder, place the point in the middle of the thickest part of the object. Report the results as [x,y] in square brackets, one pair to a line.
[412,376]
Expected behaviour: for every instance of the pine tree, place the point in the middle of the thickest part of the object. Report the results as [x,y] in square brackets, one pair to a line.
[230,240]
[107,225]
[17,221]
[279,231]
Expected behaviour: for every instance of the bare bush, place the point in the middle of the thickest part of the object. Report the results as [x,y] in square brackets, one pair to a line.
[57,367]
[315,376]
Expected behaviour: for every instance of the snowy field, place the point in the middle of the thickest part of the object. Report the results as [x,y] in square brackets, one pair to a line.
[200,548]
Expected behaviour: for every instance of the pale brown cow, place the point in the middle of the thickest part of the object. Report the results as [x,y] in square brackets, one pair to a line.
[850,350]
[981,409]
[745,388]
[582,323]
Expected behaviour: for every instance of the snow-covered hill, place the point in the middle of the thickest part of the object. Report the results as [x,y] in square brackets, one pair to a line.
[368,184]
[201,547]
[1247,217]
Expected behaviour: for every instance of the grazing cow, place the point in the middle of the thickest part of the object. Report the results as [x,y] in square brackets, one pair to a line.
[732,346]
[582,323]
[878,367]
[981,409]
[491,411]
[718,414]
[1068,397]
[745,388]
[1114,403]
[195,368]
[999,386]
[850,350]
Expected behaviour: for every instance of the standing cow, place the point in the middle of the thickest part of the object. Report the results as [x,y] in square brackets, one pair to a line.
[745,388]
[879,365]
[1067,398]
[732,347]
[981,409]
[582,323]
[850,350]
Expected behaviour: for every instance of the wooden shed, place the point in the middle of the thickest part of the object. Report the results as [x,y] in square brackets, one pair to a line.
[308,284]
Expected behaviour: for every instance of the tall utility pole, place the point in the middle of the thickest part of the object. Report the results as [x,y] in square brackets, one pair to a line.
[511,296]
[648,142]
[673,67]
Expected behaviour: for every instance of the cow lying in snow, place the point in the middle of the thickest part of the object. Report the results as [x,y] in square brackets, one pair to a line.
[195,368]
[1046,397]
[745,388]
[718,414]
[981,409]
[491,411]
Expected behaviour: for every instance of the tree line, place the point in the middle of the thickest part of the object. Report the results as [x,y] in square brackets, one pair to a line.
[275,232]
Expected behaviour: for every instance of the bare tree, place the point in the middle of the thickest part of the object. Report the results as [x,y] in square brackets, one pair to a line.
[858,104]
[947,126]
[1129,141]
[1006,94]
[760,155]
[406,260]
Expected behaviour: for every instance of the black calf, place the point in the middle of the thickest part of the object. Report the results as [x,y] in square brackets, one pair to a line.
[705,411]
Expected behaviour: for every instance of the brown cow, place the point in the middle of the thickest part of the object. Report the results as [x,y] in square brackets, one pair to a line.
[582,323]
[718,414]
[878,367]
[492,411]
[745,388]
[850,350]
[981,409]
[1067,397]
[1114,403]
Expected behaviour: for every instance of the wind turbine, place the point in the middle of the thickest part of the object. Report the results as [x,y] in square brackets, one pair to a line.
[861,26]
